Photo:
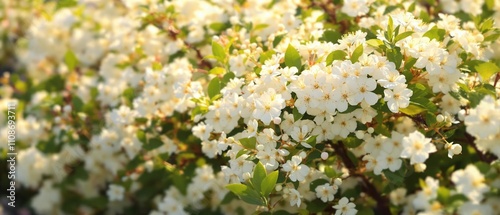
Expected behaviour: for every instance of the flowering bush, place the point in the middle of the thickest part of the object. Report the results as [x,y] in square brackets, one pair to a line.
[265,106]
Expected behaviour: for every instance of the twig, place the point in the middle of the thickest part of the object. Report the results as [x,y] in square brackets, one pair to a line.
[368,187]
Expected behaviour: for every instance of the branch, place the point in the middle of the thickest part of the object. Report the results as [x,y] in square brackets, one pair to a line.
[368,187]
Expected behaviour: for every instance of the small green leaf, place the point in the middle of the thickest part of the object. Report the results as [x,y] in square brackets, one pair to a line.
[66,3]
[390,29]
[490,4]
[311,140]
[403,35]
[218,51]
[265,56]
[153,143]
[412,109]
[246,194]
[393,177]
[214,87]
[249,143]
[217,71]
[278,39]
[219,26]
[330,172]
[269,183]
[296,114]
[292,57]
[70,60]
[259,173]
[352,142]
[335,55]
[357,53]
[77,103]
[486,70]
[375,43]
[330,36]
[435,33]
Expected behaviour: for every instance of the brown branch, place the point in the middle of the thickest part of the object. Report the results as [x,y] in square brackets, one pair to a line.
[368,187]
[331,10]
[497,78]
[174,32]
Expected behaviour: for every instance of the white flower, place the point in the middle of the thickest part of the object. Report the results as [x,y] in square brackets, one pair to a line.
[417,147]
[171,206]
[268,106]
[344,207]
[326,192]
[361,88]
[470,182]
[355,8]
[484,120]
[475,209]
[115,192]
[399,97]
[294,197]
[298,171]
[453,149]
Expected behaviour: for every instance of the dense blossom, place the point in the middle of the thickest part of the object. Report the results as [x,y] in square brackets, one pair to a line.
[244,106]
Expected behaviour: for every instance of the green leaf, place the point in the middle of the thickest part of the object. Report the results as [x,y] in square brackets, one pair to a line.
[335,55]
[219,26]
[77,103]
[330,36]
[316,206]
[435,33]
[394,55]
[296,114]
[218,51]
[330,172]
[265,56]
[314,184]
[246,194]
[269,183]
[259,173]
[153,143]
[278,39]
[393,177]
[248,143]
[217,71]
[70,60]
[486,70]
[390,9]
[390,29]
[352,142]
[492,37]
[403,35]
[292,57]
[66,3]
[357,53]
[141,136]
[214,87]
[311,140]
[366,211]
[375,43]
[412,109]
[490,4]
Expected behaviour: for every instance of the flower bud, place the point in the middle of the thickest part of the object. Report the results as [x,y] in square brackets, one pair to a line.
[440,118]
[456,149]
[420,167]
[370,130]
[276,120]
[324,155]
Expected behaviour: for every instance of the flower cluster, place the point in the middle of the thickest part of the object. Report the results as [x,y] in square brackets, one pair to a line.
[242,106]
